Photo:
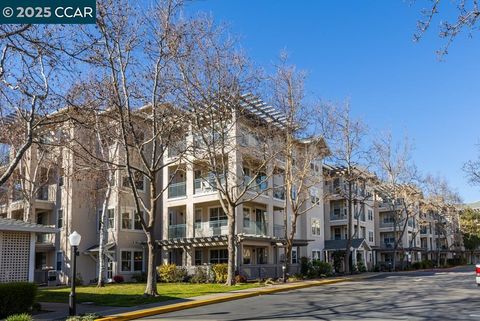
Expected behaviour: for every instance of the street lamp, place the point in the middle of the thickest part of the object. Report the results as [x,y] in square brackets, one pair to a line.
[74,240]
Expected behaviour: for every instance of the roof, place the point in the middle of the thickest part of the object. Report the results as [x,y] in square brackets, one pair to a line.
[8,224]
[342,244]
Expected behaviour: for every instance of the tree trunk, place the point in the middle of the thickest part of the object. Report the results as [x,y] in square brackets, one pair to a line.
[349,230]
[103,237]
[151,288]
[231,246]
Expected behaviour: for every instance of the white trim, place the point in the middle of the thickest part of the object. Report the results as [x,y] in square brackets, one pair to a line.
[132,260]
[31,261]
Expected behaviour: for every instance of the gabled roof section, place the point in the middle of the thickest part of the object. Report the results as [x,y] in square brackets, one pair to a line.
[8,224]
[338,245]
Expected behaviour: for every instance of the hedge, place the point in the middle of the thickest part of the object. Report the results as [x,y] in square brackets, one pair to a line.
[16,297]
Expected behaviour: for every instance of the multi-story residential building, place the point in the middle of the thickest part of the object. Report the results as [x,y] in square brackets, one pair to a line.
[195,224]
[192,230]
[393,225]
[336,214]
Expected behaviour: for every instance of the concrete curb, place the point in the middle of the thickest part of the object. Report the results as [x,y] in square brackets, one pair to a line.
[233,296]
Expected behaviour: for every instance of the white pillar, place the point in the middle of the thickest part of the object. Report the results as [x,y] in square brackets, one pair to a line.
[31,261]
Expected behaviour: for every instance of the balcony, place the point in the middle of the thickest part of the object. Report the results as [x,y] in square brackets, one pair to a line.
[279,230]
[211,228]
[256,228]
[386,224]
[42,193]
[44,238]
[279,193]
[206,185]
[177,231]
[335,216]
[178,189]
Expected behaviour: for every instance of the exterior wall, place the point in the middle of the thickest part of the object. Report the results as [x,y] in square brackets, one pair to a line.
[16,250]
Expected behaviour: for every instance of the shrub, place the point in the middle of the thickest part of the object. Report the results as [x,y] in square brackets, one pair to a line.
[240,278]
[86,317]
[361,267]
[118,278]
[200,275]
[140,277]
[16,297]
[417,265]
[20,317]
[305,265]
[221,272]
[321,269]
[171,273]
[78,279]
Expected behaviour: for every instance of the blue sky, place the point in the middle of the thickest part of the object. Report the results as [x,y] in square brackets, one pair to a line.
[364,51]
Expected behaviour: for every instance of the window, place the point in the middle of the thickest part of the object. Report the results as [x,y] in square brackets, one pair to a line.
[126,221]
[294,256]
[246,217]
[262,255]
[370,215]
[314,197]
[61,177]
[137,223]
[370,236]
[59,218]
[316,255]
[138,261]
[110,218]
[316,226]
[59,260]
[198,257]
[218,217]
[218,256]
[137,178]
[337,233]
[198,218]
[126,261]
[247,255]
[131,261]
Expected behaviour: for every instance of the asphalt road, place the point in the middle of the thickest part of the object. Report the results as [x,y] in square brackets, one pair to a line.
[446,295]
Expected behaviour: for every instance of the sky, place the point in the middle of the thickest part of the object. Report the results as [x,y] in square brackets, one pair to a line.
[364,51]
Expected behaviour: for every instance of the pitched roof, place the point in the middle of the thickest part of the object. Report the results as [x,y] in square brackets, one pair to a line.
[8,224]
[342,244]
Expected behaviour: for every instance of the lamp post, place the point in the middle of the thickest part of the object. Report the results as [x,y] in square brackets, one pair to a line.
[74,240]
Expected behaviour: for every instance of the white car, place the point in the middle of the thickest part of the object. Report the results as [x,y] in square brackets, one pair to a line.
[477,273]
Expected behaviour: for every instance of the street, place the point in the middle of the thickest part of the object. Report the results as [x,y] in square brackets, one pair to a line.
[447,295]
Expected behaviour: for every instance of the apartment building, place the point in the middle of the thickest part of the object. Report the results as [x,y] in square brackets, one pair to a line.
[195,226]
[336,214]
[49,189]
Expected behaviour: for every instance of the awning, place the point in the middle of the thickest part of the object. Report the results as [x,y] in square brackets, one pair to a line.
[96,248]
[8,224]
[339,245]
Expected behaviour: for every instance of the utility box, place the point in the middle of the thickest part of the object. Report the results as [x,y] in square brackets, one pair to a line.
[52,278]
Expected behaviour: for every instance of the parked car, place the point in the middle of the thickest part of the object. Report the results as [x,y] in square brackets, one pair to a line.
[477,273]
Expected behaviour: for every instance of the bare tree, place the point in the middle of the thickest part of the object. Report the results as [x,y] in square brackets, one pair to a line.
[35,69]
[472,169]
[135,56]
[347,141]
[466,19]
[215,79]
[301,146]
[398,188]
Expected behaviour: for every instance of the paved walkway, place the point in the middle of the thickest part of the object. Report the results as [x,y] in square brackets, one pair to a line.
[59,311]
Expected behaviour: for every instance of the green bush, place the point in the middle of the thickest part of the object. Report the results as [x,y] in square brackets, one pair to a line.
[305,265]
[361,267]
[20,317]
[16,297]
[200,275]
[221,272]
[170,273]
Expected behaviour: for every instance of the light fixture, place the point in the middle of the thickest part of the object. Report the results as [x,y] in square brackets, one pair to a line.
[74,239]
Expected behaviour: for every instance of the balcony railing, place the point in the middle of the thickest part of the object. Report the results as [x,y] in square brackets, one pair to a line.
[177,189]
[337,216]
[279,230]
[45,238]
[279,193]
[42,193]
[256,228]
[386,224]
[206,185]
[255,186]
[177,231]
[211,228]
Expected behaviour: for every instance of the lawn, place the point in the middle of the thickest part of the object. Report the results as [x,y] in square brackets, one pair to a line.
[130,294]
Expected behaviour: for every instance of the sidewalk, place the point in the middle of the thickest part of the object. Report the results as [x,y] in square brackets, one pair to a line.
[59,311]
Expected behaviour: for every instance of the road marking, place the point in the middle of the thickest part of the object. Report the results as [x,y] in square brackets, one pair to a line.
[418,280]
